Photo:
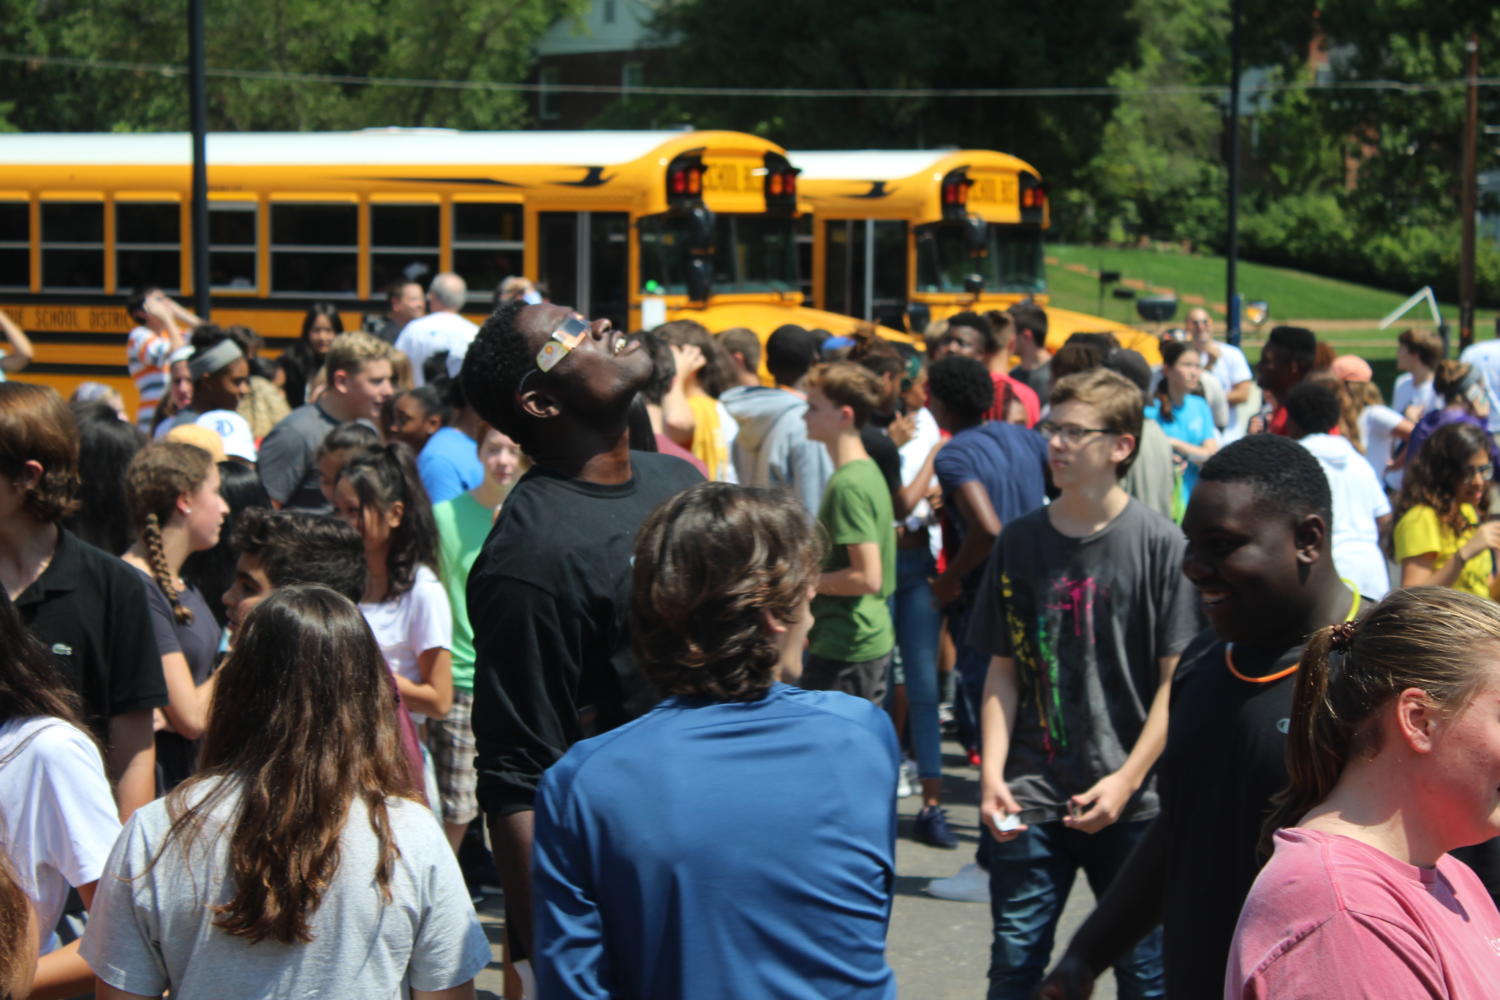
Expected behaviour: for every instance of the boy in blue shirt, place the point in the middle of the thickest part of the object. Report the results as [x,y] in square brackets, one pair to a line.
[738,840]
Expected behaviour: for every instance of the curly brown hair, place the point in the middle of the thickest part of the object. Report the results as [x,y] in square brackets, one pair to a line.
[37,426]
[1439,470]
[710,565]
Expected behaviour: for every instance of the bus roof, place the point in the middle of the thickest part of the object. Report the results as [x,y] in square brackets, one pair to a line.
[895,164]
[370,147]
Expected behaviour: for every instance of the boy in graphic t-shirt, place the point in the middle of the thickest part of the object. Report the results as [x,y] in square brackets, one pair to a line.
[1085,612]
[849,648]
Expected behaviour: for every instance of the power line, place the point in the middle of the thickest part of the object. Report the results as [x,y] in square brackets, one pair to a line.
[647,90]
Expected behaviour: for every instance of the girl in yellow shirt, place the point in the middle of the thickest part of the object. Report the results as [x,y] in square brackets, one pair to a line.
[1441,514]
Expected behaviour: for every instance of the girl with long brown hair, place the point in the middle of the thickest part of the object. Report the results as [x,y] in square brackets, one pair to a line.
[1443,537]
[295,862]
[1394,757]
[58,819]
[173,489]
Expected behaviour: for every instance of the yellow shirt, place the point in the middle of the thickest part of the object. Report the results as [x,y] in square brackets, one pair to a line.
[708,442]
[1419,531]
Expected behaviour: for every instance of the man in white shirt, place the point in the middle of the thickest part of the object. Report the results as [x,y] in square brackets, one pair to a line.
[442,329]
[1228,366]
[1417,354]
[1485,356]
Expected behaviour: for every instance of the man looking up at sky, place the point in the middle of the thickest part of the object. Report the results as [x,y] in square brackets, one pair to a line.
[549,592]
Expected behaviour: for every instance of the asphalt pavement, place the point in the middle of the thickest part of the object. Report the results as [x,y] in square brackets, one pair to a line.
[939,949]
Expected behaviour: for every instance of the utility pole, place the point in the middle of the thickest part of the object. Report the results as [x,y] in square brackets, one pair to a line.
[1232,243]
[198,109]
[1470,198]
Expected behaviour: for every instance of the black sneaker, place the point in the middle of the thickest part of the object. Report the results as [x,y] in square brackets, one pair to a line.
[932,828]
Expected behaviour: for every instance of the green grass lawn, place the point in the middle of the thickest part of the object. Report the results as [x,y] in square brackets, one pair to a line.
[1292,295]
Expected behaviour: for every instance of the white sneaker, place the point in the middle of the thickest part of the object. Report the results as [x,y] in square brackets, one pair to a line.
[970,885]
[907,781]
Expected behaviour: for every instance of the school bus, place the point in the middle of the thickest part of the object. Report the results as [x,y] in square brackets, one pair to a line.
[637,226]
[907,237]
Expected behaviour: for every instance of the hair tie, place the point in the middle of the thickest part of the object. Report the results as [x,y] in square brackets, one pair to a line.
[1342,636]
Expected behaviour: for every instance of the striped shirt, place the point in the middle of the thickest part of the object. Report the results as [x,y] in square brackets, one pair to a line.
[146,355]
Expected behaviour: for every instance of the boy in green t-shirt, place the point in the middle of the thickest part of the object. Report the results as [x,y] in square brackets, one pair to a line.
[852,638]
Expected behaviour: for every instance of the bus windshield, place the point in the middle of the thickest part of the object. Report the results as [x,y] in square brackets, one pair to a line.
[752,253]
[1014,263]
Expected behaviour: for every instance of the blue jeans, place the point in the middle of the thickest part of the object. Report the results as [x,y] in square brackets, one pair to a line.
[917,628]
[1030,878]
[972,666]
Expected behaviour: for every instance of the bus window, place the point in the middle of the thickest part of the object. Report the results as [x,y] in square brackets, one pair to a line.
[231,245]
[752,253]
[314,248]
[1013,263]
[487,244]
[857,287]
[15,245]
[609,267]
[73,245]
[404,243]
[148,240]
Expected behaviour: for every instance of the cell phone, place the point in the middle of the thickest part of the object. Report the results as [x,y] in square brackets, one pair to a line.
[1037,814]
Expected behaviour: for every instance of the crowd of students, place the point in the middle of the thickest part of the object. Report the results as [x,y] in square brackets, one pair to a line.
[300,626]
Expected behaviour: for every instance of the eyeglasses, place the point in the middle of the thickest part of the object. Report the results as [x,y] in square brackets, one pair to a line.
[1071,433]
[1485,471]
[562,341]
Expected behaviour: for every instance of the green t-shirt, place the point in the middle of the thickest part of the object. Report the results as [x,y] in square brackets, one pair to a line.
[463,524]
[856,508]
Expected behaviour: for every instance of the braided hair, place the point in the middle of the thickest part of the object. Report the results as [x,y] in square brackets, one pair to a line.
[159,474]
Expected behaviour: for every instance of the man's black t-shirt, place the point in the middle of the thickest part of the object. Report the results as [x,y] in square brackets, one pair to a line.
[1225,758]
[89,610]
[548,598]
[883,452]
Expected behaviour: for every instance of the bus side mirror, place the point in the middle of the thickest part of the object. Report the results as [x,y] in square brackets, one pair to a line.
[700,228]
[977,235]
[699,279]
[974,284]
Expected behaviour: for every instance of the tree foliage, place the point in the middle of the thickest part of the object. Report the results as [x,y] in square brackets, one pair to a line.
[459,40]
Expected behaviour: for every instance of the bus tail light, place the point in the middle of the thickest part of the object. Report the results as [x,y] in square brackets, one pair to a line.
[780,185]
[685,179]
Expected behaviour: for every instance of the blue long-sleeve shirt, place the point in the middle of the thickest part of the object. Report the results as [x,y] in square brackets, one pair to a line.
[721,849]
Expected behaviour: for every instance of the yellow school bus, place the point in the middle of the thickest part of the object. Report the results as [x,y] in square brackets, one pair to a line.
[637,226]
[907,237]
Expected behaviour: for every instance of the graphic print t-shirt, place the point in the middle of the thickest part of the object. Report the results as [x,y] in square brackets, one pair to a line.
[1086,621]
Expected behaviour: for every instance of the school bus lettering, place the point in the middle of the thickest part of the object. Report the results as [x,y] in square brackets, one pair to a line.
[729,177]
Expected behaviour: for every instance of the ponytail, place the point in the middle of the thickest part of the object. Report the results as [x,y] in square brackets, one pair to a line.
[161,572]
[1317,744]
[1436,640]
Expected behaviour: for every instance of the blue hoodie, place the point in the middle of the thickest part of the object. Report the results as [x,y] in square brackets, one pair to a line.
[772,449]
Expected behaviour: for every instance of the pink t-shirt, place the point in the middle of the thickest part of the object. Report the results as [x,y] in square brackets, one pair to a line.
[1330,916]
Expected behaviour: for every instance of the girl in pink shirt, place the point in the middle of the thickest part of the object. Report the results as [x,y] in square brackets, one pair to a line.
[1394,756]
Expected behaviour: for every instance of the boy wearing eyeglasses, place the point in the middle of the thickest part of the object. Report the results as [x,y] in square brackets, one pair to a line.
[549,591]
[1085,612]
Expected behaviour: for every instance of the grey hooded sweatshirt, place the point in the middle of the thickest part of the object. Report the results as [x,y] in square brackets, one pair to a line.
[772,449]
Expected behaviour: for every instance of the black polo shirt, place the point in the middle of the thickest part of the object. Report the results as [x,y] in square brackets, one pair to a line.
[89,610]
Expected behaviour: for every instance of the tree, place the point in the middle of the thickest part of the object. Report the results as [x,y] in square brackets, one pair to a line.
[274,41]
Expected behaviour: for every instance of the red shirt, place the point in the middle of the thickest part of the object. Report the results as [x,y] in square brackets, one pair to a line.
[1007,388]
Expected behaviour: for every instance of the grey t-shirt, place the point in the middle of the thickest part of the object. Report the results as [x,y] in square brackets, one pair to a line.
[288,458]
[1086,621]
[151,929]
[1151,478]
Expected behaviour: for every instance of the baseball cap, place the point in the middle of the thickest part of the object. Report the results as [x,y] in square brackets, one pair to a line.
[233,430]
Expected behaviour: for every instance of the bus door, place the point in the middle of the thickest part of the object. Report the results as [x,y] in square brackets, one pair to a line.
[860,282]
[584,262]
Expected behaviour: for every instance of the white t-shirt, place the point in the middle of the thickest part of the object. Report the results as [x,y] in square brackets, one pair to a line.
[1230,369]
[152,930]
[1486,357]
[1408,392]
[58,818]
[418,620]
[427,335]
[1358,499]
[1375,426]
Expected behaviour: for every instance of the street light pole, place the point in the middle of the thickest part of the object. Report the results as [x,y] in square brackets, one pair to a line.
[1469,202]
[198,109]
[1232,242]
